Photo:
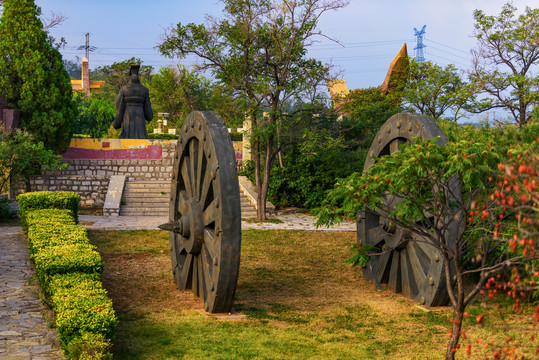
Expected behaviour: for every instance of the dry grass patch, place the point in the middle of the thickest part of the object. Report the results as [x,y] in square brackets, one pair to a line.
[299,297]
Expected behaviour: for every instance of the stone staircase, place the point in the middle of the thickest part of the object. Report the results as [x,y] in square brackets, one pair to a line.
[152,198]
[145,198]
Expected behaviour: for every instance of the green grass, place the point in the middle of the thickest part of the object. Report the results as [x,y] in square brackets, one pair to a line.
[298,298]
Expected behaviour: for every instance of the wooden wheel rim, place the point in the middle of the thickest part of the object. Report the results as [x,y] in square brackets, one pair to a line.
[205,202]
[413,268]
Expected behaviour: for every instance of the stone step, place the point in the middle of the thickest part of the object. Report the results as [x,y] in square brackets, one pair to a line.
[152,198]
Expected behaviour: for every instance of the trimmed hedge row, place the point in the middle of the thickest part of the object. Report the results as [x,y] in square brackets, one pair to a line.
[48,200]
[69,269]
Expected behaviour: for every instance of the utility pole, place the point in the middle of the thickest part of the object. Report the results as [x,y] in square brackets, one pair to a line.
[419,56]
[87,46]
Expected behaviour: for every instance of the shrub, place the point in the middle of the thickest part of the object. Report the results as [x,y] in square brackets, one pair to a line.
[89,346]
[48,216]
[41,237]
[64,259]
[5,210]
[81,306]
[47,200]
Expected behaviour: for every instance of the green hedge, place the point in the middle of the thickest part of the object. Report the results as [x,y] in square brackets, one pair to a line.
[69,268]
[41,237]
[49,216]
[47,200]
[64,259]
[81,306]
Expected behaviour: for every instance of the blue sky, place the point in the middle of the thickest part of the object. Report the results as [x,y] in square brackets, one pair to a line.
[372,32]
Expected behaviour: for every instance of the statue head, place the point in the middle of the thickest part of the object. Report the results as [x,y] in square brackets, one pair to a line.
[133,73]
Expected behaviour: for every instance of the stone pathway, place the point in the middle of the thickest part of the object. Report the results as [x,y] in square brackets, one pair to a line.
[284,221]
[24,333]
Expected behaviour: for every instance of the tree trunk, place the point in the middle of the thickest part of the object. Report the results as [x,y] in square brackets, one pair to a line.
[258,181]
[455,334]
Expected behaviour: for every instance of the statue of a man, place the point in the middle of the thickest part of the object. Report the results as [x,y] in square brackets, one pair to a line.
[133,107]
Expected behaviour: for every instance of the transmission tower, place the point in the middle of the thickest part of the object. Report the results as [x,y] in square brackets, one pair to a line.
[419,56]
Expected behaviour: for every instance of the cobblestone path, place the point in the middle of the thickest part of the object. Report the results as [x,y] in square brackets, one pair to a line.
[24,333]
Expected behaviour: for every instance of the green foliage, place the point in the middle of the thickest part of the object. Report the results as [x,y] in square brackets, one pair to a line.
[21,157]
[64,259]
[116,76]
[258,52]
[89,346]
[5,210]
[95,115]
[367,110]
[32,76]
[162,136]
[68,269]
[419,173]
[433,90]
[82,306]
[40,237]
[503,62]
[317,157]
[47,200]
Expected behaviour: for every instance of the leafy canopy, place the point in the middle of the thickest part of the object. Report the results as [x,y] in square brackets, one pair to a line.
[32,76]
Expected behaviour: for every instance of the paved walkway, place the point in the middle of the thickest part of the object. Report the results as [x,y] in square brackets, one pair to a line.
[24,333]
[282,221]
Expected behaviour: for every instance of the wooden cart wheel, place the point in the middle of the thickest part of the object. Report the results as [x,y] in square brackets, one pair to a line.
[204,216]
[413,268]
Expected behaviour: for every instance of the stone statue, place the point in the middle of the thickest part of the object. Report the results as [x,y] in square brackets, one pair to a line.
[133,107]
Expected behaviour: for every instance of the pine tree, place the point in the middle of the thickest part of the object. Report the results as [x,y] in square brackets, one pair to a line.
[32,76]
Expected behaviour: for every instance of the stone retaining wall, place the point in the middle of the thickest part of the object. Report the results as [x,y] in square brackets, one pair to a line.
[90,178]
[99,159]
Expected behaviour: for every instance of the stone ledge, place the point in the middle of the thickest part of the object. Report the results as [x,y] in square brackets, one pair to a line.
[248,189]
[114,196]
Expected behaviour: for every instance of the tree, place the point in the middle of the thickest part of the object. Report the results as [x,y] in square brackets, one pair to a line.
[116,76]
[95,115]
[32,76]
[178,91]
[440,190]
[19,155]
[434,90]
[504,60]
[258,51]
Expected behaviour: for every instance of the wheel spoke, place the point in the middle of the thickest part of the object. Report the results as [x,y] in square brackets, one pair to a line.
[405,276]
[210,214]
[206,182]
[199,170]
[196,283]
[186,275]
[193,162]
[208,281]
[186,178]
[210,244]
[394,283]
[416,264]
[381,267]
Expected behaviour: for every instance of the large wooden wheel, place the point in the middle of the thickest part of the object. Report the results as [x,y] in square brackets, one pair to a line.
[404,262]
[204,216]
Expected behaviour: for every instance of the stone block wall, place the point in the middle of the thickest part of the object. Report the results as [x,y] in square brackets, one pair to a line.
[92,162]
[90,177]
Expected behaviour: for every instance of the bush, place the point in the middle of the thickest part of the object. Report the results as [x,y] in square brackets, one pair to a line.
[48,216]
[89,346]
[64,259]
[163,136]
[41,237]
[5,210]
[47,200]
[82,306]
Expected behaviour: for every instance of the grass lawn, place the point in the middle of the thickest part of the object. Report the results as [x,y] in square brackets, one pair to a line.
[299,300]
